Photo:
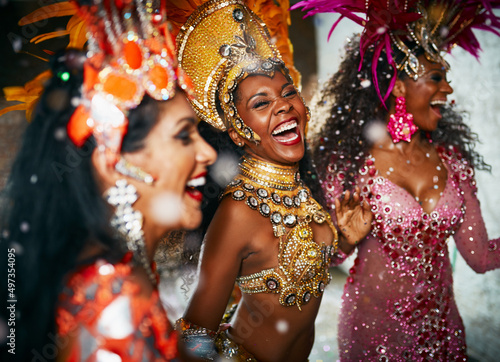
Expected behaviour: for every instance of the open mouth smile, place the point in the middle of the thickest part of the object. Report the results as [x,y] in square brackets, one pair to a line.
[436,106]
[192,184]
[287,133]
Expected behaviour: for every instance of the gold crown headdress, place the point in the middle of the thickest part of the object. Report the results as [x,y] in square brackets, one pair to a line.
[221,43]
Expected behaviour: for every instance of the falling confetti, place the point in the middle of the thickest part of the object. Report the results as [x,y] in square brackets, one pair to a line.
[224,169]
[282,326]
[166,208]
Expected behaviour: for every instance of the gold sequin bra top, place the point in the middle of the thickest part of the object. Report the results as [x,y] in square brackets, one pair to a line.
[278,194]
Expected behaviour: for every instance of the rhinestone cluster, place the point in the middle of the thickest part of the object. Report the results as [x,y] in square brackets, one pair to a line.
[277,193]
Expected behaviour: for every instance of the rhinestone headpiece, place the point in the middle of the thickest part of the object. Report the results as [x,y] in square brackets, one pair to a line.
[433,26]
[131,53]
[222,43]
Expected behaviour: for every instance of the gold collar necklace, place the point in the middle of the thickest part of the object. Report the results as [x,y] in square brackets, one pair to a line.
[277,193]
[270,175]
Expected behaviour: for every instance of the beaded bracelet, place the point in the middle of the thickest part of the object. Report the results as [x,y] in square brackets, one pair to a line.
[199,340]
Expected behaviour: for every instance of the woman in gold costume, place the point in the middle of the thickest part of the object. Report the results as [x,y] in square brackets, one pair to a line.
[269,235]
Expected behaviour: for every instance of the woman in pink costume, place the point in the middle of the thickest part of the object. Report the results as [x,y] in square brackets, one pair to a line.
[392,133]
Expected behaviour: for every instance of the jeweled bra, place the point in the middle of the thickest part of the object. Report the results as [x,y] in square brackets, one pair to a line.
[278,194]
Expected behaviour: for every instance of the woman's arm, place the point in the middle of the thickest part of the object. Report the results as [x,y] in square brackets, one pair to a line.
[472,238]
[226,244]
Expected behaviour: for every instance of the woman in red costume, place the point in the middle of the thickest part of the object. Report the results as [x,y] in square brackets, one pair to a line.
[112,149]
[392,133]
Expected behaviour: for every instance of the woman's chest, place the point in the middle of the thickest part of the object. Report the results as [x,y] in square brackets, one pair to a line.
[408,235]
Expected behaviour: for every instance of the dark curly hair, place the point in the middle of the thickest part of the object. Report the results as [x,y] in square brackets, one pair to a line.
[353,106]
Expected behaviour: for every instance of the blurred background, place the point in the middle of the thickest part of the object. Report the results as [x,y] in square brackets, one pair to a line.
[476,86]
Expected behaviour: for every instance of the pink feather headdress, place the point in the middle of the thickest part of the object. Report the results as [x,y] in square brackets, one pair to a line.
[436,26]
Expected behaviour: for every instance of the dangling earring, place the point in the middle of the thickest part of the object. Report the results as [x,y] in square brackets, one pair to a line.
[127,169]
[128,222]
[400,125]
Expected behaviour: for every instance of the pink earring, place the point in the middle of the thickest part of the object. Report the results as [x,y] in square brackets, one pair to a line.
[400,125]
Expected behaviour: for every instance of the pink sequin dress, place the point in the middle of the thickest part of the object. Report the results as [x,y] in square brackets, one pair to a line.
[398,302]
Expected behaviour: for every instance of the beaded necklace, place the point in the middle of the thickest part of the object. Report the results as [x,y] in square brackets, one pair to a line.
[278,193]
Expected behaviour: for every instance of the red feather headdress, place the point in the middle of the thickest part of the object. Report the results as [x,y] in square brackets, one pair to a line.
[434,25]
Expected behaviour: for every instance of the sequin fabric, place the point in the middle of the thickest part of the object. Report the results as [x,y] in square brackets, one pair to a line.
[108,317]
[398,302]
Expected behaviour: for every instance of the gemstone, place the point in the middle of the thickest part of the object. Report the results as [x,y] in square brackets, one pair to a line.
[311,253]
[296,201]
[307,297]
[235,183]
[225,50]
[303,195]
[248,187]
[252,67]
[276,198]
[262,193]
[272,284]
[239,123]
[267,65]
[303,233]
[238,195]
[248,132]
[321,287]
[238,15]
[276,217]
[289,220]
[287,201]
[252,202]
[290,299]
[264,209]
[413,62]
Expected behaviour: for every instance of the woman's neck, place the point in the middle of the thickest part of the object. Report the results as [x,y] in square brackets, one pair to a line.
[270,174]
[404,148]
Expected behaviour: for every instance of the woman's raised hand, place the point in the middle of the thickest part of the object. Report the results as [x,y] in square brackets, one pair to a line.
[353,219]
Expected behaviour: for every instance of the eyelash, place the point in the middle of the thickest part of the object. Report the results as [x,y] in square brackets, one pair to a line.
[262,103]
[184,136]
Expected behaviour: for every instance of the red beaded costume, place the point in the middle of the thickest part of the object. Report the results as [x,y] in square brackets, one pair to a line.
[104,312]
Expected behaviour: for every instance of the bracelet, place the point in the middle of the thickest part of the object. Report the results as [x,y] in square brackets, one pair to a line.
[187,328]
[200,341]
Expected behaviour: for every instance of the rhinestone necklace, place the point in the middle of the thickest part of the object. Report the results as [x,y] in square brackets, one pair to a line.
[277,193]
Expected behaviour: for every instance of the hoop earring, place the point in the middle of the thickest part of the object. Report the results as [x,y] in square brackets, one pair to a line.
[127,223]
[400,125]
